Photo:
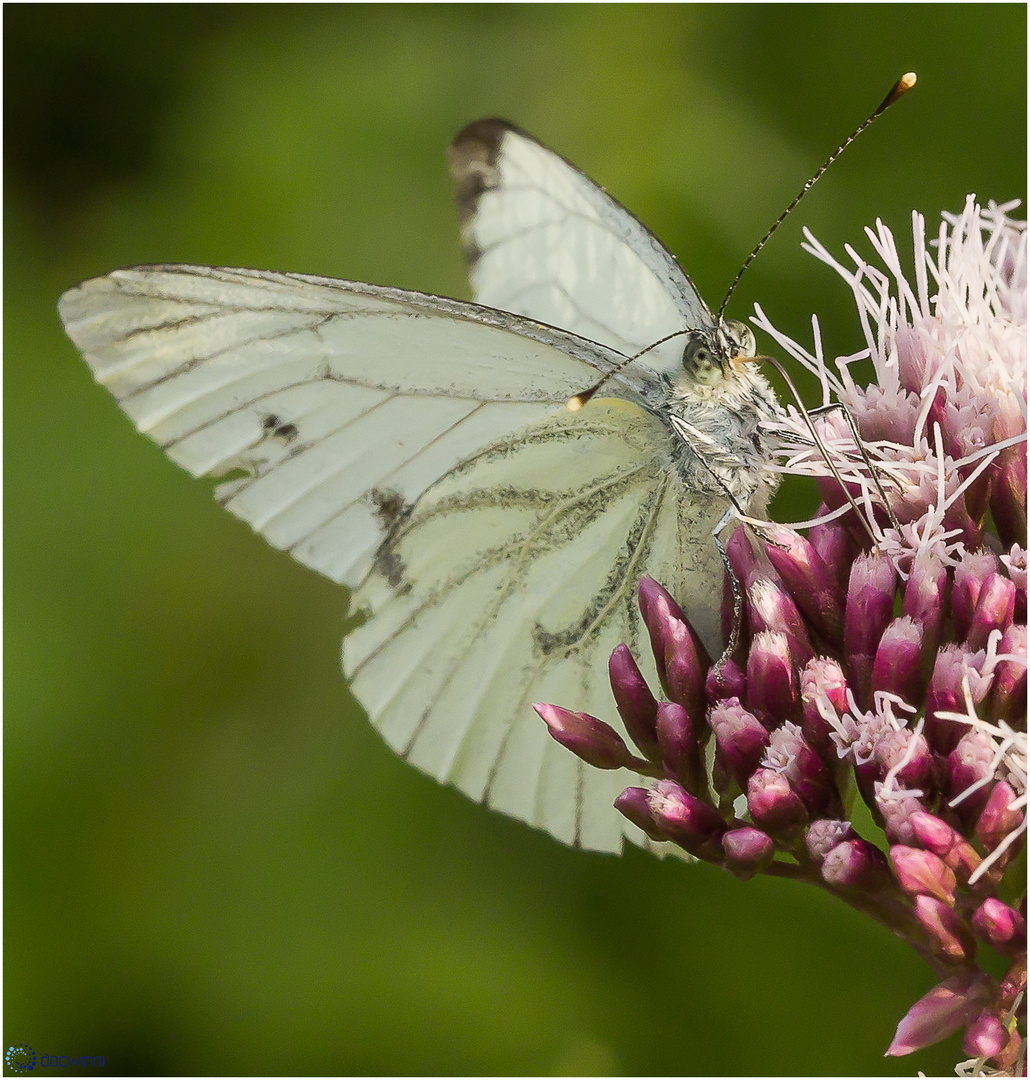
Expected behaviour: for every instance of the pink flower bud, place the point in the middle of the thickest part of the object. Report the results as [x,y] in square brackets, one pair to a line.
[809,779]
[985,1037]
[634,700]
[588,738]
[925,599]
[810,581]
[687,821]
[869,610]
[773,805]
[772,691]
[685,668]
[772,609]
[822,681]
[994,610]
[896,667]
[946,695]
[949,936]
[855,864]
[920,768]
[740,737]
[972,571]
[1008,496]
[1008,691]
[1000,816]
[970,763]
[724,682]
[835,545]
[748,851]
[680,746]
[941,839]
[947,1007]
[896,810]
[633,804]
[1002,927]
[921,872]
[657,608]
[822,836]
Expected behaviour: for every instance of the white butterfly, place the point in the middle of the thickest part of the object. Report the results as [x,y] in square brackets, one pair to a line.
[419,450]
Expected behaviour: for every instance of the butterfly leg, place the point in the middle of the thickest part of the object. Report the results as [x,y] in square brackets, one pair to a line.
[874,472]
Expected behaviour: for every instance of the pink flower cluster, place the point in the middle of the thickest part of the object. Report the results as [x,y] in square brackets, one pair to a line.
[881,658]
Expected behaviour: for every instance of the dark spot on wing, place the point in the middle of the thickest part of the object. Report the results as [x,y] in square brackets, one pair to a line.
[278,428]
[390,565]
[389,507]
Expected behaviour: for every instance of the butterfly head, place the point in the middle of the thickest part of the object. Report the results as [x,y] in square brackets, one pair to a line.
[710,356]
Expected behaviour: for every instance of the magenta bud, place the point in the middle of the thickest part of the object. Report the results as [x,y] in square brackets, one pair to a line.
[925,599]
[822,683]
[947,1007]
[968,769]
[994,610]
[810,581]
[772,690]
[1000,816]
[633,804]
[919,771]
[1002,927]
[1008,691]
[741,739]
[772,609]
[868,611]
[590,739]
[727,681]
[855,864]
[948,935]
[803,769]
[985,1037]
[748,851]
[634,700]
[834,544]
[921,873]
[973,569]
[896,811]
[742,557]
[1008,497]
[689,822]
[943,841]
[945,694]
[680,746]
[685,668]
[656,608]
[896,667]
[870,603]
[822,836]
[773,805]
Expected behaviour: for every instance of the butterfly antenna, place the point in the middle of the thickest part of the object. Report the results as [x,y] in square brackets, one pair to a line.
[577,401]
[902,86]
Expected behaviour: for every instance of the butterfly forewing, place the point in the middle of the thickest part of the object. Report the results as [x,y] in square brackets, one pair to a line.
[334,399]
[545,241]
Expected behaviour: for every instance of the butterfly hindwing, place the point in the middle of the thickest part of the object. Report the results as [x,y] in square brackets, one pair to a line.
[544,240]
[511,581]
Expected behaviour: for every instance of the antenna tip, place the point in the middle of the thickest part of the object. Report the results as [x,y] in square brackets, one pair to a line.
[575,403]
[902,86]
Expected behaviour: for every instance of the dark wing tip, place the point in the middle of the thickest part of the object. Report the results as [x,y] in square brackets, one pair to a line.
[472,157]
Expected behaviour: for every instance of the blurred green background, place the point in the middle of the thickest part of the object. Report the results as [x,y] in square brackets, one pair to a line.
[213,864]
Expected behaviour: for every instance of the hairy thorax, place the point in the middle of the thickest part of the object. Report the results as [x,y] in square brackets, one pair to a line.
[726,450]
